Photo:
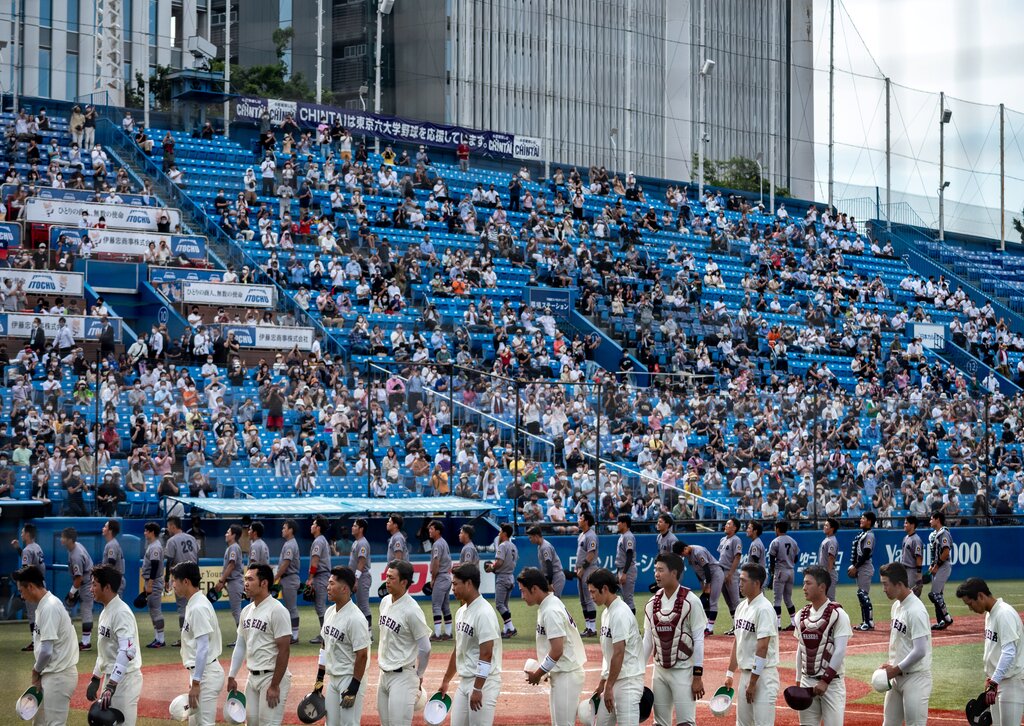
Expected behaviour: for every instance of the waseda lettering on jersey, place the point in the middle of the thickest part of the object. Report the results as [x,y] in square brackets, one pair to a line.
[606,632]
[899,626]
[746,625]
[541,630]
[991,635]
[104,632]
[390,624]
[466,629]
[254,624]
[335,633]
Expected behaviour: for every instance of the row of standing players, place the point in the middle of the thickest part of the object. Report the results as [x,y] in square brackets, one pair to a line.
[604,589]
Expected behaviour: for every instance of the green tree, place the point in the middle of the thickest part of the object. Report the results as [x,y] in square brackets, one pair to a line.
[1019,227]
[159,89]
[738,173]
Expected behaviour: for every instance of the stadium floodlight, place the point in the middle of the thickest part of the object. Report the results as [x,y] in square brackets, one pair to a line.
[945,185]
[703,138]
[709,65]
[947,115]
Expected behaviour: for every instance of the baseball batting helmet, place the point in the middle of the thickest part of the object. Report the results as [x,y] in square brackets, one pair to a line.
[798,698]
[570,574]
[72,599]
[382,590]
[312,708]
[212,594]
[653,587]
[428,589]
[977,712]
[308,593]
[646,704]
[140,600]
[99,716]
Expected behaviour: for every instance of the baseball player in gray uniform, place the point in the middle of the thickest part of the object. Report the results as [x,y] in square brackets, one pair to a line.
[828,554]
[153,574]
[259,553]
[756,554]
[912,553]
[80,569]
[319,570]
[940,544]
[548,560]
[31,556]
[710,576]
[180,547]
[359,563]
[862,568]
[398,549]
[587,561]
[231,575]
[506,555]
[288,574]
[783,553]
[625,560]
[730,552]
[469,555]
[440,579]
[666,537]
[113,555]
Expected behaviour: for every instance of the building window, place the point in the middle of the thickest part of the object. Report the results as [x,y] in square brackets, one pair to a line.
[126,23]
[354,51]
[46,13]
[73,17]
[44,72]
[153,17]
[71,76]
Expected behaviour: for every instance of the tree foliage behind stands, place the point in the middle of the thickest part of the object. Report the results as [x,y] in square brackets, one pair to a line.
[738,173]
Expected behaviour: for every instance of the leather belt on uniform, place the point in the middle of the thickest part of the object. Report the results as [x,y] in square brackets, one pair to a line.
[260,673]
[397,670]
[192,667]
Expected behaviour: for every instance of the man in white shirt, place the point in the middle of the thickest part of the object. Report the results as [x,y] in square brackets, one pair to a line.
[822,632]
[477,653]
[909,667]
[755,652]
[264,642]
[344,653]
[404,647]
[200,645]
[54,644]
[674,625]
[1004,651]
[118,662]
[560,650]
[622,671]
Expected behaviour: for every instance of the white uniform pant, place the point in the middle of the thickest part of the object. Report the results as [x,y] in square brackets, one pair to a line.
[1009,706]
[673,690]
[566,687]
[126,697]
[396,696]
[257,711]
[907,702]
[627,693]
[463,715]
[58,687]
[205,714]
[762,711]
[828,708]
[336,715]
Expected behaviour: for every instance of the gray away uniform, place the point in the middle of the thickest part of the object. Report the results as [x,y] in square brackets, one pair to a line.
[829,548]
[862,561]
[910,551]
[259,553]
[181,547]
[440,553]
[586,545]
[551,565]
[361,549]
[321,549]
[729,548]
[290,581]
[625,564]
[397,547]
[32,556]
[114,556]
[153,572]
[708,573]
[783,553]
[234,582]
[469,555]
[756,555]
[80,565]
[505,578]
[665,543]
[939,541]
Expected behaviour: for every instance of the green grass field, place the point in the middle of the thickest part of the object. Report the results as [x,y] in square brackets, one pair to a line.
[957,668]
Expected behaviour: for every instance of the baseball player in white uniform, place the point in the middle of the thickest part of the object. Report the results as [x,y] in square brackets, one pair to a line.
[1004,652]
[909,666]
[477,654]
[560,650]
[345,652]
[201,645]
[822,632]
[55,646]
[622,671]
[755,652]
[118,661]
[263,641]
[674,623]
[404,650]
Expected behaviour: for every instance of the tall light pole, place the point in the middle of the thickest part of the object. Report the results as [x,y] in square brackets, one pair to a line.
[227,68]
[384,7]
[319,50]
[612,136]
[760,177]
[705,71]
[945,115]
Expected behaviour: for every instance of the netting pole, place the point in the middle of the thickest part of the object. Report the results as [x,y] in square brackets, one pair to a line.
[1002,179]
[518,462]
[597,478]
[369,428]
[451,425]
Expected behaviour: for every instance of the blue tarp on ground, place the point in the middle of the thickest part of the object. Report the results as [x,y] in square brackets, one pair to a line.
[331,506]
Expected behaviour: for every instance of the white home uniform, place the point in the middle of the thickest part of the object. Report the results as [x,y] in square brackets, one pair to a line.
[1003,628]
[259,627]
[475,624]
[907,702]
[344,633]
[818,635]
[674,630]
[200,659]
[60,675]
[618,624]
[402,625]
[754,620]
[566,678]
[118,631]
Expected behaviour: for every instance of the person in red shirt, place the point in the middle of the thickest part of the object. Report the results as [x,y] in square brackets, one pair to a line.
[462,151]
